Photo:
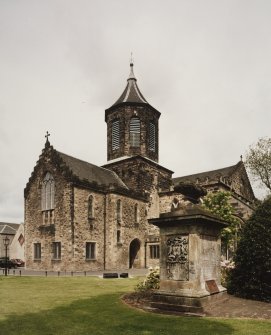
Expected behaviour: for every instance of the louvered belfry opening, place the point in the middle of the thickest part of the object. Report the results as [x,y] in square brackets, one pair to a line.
[152,135]
[135,132]
[115,135]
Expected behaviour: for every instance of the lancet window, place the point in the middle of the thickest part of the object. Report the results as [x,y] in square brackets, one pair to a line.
[48,192]
[135,132]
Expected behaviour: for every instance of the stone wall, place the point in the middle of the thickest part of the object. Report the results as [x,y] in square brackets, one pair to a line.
[57,228]
[142,175]
[71,226]
[118,251]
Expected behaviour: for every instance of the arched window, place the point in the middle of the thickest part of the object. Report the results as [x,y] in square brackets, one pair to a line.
[135,132]
[118,211]
[118,218]
[136,213]
[115,135]
[152,134]
[90,207]
[48,193]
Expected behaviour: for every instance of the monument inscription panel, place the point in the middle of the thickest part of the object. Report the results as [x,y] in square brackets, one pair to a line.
[209,258]
[177,258]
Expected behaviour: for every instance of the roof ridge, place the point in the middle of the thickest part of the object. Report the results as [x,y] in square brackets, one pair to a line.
[194,174]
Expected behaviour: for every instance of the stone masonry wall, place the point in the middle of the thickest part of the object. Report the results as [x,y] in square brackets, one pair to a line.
[118,253]
[59,228]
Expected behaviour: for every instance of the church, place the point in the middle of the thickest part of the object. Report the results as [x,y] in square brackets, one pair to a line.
[83,217]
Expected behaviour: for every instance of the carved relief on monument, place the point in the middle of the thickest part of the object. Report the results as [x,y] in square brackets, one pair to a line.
[177,258]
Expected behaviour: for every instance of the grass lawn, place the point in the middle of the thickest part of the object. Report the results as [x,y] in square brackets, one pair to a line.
[88,305]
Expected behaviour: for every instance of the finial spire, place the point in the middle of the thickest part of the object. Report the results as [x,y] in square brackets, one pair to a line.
[241,158]
[131,76]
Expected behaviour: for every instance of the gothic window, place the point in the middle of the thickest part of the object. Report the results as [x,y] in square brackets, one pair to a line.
[90,250]
[152,134]
[135,132]
[154,251]
[115,135]
[37,251]
[90,207]
[48,193]
[56,250]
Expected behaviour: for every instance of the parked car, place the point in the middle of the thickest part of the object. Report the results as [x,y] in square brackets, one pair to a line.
[18,262]
[7,263]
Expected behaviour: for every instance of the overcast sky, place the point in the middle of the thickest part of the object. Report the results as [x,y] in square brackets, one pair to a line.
[204,64]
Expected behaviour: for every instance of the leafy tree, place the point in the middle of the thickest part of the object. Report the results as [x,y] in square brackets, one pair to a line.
[251,277]
[258,161]
[218,203]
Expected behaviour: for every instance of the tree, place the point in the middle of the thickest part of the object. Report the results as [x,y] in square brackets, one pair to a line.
[251,277]
[258,161]
[218,203]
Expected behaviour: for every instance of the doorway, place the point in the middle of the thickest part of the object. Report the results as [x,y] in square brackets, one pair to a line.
[134,260]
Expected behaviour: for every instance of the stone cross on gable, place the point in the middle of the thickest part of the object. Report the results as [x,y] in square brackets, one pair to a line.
[47,135]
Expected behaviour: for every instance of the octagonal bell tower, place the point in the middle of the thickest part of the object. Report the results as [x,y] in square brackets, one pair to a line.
[132,125]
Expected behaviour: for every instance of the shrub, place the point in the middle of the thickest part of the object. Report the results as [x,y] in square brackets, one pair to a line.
[151,282]
[251,277]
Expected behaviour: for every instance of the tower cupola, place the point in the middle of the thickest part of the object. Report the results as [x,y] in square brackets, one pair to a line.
[132,124]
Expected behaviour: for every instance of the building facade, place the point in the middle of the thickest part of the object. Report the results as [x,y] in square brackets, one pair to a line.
[82,217]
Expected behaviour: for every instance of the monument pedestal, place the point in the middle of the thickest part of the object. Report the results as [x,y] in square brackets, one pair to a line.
[190,259]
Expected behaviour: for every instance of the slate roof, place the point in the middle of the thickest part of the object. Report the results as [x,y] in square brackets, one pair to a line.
[91,173]
[131,92]
[8,228]
[213,175]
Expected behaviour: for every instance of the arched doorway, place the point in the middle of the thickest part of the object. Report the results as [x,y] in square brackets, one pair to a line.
[134,253]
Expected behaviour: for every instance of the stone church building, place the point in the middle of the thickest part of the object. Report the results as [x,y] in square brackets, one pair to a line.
[79,216]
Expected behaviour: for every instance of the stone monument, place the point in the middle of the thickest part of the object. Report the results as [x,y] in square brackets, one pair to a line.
[190,255]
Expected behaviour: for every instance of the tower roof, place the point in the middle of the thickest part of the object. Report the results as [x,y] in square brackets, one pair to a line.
[131,92]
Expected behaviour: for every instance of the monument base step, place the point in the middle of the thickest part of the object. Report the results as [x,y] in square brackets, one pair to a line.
[177,308]
[189,306]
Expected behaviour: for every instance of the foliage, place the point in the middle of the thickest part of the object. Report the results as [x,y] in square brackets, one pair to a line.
[218,203]
[258,161]
[151,282]
[89,305]
[226,268]
[251,277]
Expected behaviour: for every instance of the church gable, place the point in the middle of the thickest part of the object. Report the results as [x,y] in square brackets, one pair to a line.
[240,183]
[234,178]
[75,171]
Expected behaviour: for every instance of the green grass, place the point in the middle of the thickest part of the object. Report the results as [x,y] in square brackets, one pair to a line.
[86,305]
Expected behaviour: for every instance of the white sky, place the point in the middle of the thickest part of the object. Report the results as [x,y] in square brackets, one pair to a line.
[204,64]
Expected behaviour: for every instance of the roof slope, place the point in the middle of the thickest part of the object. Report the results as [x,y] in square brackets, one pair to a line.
[8,228]
[131,92]
[91,173]
[233,177]
[211,175]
